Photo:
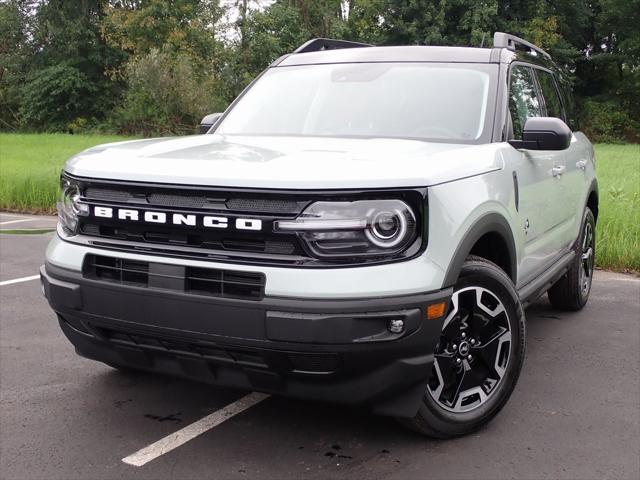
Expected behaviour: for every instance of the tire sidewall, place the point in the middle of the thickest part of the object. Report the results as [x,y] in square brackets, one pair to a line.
[587,217]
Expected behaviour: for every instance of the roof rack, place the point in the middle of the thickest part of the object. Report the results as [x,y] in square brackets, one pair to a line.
[318,44]
[506,40]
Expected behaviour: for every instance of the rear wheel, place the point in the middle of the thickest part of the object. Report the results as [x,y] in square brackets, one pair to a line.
[479,355]
[571,292]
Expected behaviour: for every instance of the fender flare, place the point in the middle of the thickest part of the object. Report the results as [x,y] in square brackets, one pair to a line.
[489,223]
[593,188]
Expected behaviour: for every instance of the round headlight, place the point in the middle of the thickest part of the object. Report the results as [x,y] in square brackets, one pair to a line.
[350,229]
[387,229]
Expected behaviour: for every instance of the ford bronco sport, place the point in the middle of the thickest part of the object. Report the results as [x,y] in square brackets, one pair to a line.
[362,225]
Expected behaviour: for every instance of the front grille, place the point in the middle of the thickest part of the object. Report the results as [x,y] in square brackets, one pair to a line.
[107,194]
[193,280]
[182,221]
[165,235]
[195,240]
[197,201]
[263,205]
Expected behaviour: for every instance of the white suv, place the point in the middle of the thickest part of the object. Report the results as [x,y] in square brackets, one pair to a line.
[362,225]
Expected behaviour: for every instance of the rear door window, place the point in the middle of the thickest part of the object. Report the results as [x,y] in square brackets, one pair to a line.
[550,94]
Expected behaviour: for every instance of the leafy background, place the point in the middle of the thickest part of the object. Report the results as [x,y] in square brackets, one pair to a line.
[155,67]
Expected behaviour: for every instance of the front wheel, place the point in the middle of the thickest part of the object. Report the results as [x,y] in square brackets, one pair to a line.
[479,355]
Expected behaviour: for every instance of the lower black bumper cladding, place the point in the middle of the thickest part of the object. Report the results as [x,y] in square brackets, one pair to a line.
[327,350]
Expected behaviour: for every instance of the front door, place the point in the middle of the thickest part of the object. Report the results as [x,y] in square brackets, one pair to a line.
[539,175]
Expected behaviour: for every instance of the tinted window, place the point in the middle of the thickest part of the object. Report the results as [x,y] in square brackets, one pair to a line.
[569,107]
[523,98]
[550,94]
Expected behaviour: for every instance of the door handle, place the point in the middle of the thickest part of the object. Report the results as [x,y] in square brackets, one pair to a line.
[558,170]
[582,164]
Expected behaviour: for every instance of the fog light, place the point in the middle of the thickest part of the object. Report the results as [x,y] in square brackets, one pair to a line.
[396,326]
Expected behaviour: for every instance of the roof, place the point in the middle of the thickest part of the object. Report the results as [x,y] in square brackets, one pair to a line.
[395,54]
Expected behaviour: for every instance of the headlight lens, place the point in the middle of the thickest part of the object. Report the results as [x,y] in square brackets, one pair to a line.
[69,205]
[358,228]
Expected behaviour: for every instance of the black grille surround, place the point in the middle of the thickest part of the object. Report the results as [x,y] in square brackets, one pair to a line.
[264,247]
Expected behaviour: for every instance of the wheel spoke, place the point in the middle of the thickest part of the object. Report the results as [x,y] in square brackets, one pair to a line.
[468,384]
[447,364]
[445,371]
[490,351]
[474,349]
[587,261]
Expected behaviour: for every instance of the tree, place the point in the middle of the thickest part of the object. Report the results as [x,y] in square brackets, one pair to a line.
[16,51]
[164,95]
[109,50]
[55,97]
[63,37]
[184,26]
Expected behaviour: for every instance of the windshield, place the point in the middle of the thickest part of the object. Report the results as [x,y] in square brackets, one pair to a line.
[430,101]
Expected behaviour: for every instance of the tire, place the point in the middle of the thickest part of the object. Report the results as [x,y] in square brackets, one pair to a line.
[571,292]
[478,359]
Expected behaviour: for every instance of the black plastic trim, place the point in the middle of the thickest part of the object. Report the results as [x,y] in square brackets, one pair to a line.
[538,286]
[336,350]
[489,223]
[318,44]
[516,190]
[593,189]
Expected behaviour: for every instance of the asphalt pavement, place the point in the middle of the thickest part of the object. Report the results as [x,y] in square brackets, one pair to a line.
[574,414]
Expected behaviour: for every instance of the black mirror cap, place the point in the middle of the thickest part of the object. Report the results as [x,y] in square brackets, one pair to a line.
[544,133]
[209,121]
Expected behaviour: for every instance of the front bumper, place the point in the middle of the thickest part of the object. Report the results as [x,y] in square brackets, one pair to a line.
[328,350]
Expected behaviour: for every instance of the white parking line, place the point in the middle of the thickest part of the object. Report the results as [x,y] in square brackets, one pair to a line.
[19,280]
[18,221]
[190,432]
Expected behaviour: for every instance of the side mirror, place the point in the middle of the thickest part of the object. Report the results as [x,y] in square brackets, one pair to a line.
[544,133]
[209,121]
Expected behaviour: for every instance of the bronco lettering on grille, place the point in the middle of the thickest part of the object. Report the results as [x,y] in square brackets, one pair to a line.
[192,220]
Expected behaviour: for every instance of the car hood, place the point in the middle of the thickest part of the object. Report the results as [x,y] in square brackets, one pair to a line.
[285,162]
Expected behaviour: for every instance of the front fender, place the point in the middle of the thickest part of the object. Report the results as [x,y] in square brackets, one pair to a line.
[461,212]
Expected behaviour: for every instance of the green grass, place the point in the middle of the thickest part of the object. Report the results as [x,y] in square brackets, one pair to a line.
[618,230]
[33,231]
[30,165]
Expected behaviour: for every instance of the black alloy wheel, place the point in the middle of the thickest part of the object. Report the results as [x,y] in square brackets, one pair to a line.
[479,355]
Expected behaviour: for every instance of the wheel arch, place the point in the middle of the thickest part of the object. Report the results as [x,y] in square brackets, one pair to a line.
[488,230]
[593,198]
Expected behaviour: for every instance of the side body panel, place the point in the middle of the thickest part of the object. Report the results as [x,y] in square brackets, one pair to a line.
[539,215]
[579,176]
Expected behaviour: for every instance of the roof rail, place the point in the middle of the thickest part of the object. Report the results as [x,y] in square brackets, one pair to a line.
[318,44]
[506,40]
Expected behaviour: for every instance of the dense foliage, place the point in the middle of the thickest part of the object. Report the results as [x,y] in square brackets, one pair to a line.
[156,66]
